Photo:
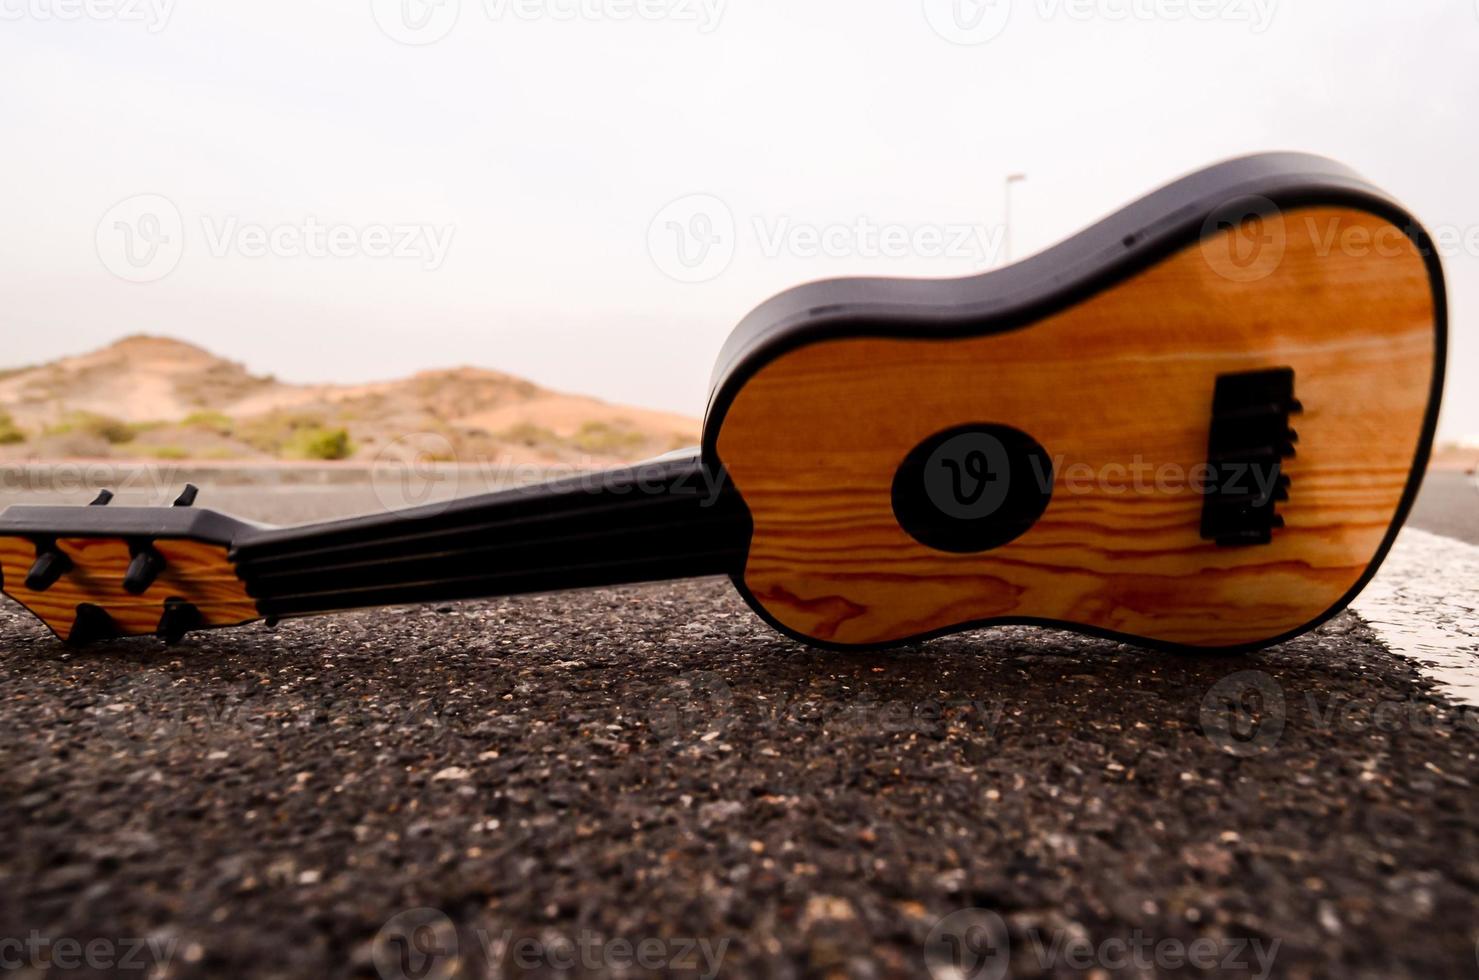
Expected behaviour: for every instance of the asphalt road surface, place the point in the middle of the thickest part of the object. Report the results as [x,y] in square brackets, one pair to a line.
[645,781]
[1449,505]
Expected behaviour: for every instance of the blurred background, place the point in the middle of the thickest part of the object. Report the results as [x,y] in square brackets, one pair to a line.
[341,229]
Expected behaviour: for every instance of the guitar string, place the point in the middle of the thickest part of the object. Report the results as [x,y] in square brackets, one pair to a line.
[489,551]
[261,550]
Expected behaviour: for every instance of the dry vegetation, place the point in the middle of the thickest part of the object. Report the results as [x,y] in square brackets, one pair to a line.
[156,398]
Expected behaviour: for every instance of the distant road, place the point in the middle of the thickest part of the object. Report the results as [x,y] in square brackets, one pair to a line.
[1448,505]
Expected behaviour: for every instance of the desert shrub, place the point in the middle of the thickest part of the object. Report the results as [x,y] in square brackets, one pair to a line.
[604,439]
[318,443]
[166,452]
[272,432]
[10,433]
[209,420]
[529,434]
[221,383]
[105,427]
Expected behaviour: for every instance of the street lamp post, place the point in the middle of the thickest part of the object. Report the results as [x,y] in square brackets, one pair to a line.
[1007,219]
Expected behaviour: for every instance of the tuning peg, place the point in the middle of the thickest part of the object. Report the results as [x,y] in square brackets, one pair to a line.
[143,569]
[101,500]
[179,618]
[50,565]
[187,495]
[92,623]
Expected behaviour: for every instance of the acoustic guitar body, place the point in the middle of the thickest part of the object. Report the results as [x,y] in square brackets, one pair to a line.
[1198,424]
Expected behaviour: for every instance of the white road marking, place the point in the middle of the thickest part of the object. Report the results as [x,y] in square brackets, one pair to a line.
[1424,604]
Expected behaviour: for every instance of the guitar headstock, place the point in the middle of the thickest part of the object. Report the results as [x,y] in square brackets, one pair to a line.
[100,572]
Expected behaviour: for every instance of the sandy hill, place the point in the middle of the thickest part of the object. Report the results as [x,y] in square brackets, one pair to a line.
[158,397]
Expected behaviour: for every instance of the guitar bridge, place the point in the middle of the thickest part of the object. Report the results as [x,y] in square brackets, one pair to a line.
[1249,442]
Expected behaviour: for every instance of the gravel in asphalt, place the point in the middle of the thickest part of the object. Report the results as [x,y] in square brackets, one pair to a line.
[584,769]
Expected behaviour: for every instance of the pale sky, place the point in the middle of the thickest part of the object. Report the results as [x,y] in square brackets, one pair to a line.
[354,189]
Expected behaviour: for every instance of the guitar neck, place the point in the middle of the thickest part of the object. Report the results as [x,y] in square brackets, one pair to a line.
[667,519]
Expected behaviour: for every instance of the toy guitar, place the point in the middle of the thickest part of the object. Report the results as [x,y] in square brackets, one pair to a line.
[1099,438]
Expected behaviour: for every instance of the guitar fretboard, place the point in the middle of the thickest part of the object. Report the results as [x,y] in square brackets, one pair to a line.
[661,520]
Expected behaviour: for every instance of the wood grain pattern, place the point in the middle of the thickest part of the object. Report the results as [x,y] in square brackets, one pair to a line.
[194,571]
[1125,378]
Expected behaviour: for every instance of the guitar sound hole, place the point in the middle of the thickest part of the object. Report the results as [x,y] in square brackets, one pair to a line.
[972,488]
